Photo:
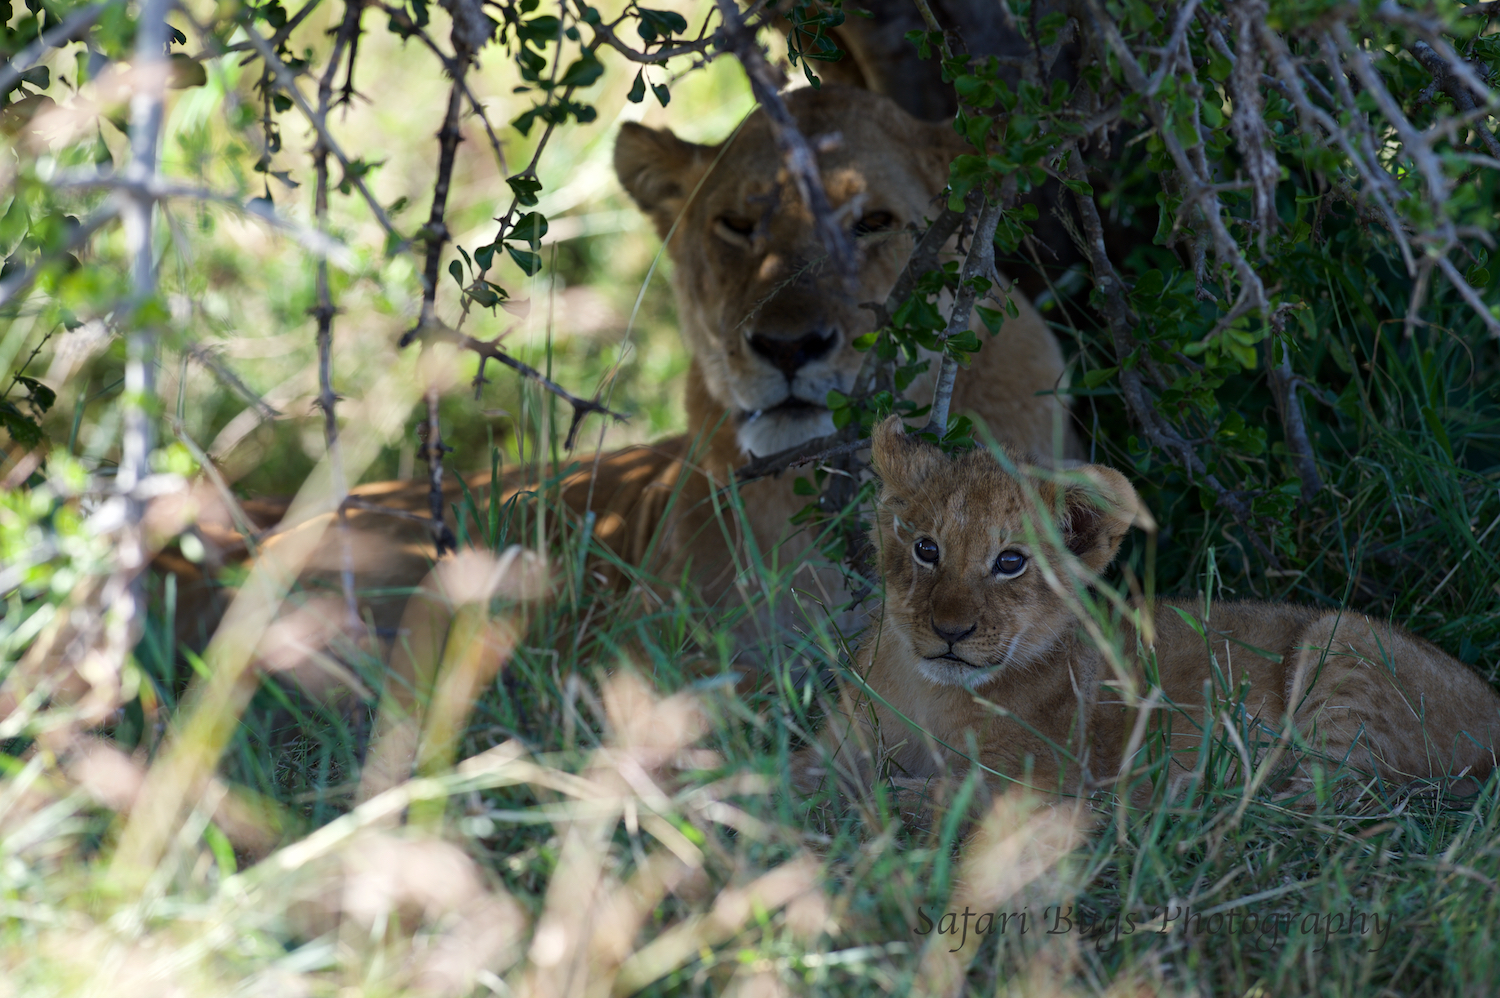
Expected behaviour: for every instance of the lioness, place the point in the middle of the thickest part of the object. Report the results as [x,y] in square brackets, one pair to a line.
[771,327]
[980,643]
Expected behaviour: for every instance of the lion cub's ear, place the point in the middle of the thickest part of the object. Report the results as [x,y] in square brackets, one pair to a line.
[902,462]
[1097,514]
[659,170]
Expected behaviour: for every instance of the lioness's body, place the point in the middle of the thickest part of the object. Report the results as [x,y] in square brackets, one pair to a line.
[971,655]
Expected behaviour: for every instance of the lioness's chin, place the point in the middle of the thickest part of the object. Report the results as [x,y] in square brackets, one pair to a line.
[947,672]
[770,432]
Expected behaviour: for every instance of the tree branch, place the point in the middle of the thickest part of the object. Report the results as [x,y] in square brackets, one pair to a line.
[978,264]
[325,311]
[288,84]
[490,350]
[801,164]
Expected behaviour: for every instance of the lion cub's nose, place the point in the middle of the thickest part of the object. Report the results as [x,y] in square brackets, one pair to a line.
[789,355]
[952,633]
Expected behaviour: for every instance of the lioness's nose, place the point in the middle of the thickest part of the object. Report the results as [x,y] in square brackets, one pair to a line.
[789,355]
[952,633]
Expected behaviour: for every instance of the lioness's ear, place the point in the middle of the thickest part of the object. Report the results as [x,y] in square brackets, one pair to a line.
[659,170]
[1097,515]
[902,462]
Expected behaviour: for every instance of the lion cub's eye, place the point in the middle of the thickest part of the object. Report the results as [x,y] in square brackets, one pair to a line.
[1010,564]
[875,221]
[926,550]
[734,230]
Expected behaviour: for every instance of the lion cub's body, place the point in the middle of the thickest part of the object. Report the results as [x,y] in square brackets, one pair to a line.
[973,656]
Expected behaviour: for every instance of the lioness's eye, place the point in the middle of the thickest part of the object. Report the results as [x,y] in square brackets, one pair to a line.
[926,550]
[875,221]
[1009,564]
[734,230]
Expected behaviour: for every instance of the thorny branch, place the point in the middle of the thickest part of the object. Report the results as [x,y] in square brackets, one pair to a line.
[436,235]
[1449,83]
[325,311]
[977,266]
[288,85]
[490,350]
[797,155]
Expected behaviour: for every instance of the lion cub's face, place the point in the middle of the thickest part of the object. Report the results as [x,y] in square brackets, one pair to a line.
[964,577]
[770,323]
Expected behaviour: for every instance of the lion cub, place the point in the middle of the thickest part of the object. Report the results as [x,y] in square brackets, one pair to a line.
[980,646]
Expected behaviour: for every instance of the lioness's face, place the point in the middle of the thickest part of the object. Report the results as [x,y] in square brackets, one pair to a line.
[963,545]
[770,322]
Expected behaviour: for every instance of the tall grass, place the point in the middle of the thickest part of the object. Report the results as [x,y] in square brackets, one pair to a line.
[610,811]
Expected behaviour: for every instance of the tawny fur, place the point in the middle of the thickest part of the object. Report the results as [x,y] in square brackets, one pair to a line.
[1040,703]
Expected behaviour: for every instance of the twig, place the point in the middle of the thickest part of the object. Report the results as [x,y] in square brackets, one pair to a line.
[325,311]
[442,537]
[490,350]
[1469,295]
[229,379]
[702,47]
[801,164]
[288,84]
[216,478]
[460,78]
[282,33]
[1448,82]
[840,442]
[355,502]
[1284,388]
[435,232]
[979,262]
[315,242]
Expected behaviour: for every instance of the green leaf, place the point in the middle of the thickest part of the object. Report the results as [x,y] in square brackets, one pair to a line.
[531,227]
[802,487]
[992,318]
[22,429]
[865,341]
[186,72]
[528,261]
[1218,67]
[525,189]
[484,256]
[663,23]
[457,270]
[663,96]
[638,88]
[41,396]
[583,72]
[1098,376]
